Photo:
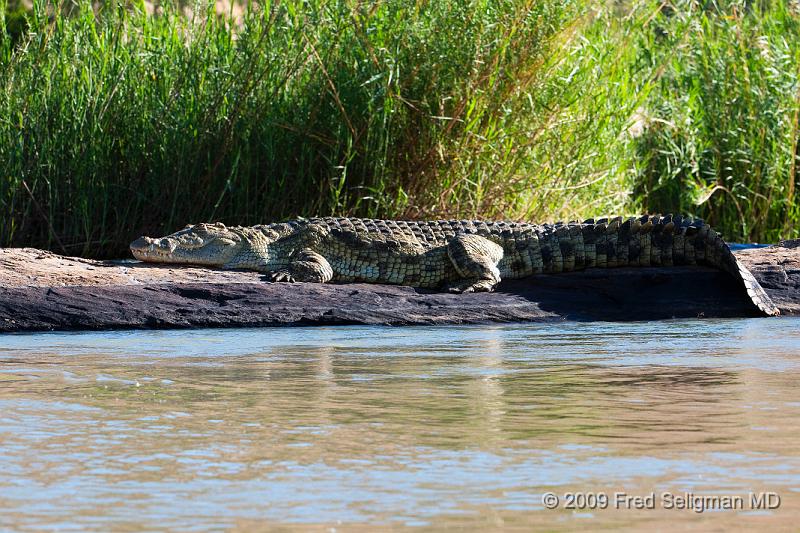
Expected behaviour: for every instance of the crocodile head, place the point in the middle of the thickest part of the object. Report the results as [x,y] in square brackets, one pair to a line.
[199,244]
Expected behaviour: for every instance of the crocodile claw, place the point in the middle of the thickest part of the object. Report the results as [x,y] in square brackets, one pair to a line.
[281,276]
[458,289]
[464,287]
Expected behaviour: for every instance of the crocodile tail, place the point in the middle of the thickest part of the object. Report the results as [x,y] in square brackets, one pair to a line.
[654,240]
[755,291]
[719,254]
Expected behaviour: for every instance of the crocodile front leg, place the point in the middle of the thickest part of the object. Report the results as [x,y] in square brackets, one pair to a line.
[307,265]
[475,259]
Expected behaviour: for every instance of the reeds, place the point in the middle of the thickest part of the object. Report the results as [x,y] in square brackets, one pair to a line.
[116,122]
[721,139]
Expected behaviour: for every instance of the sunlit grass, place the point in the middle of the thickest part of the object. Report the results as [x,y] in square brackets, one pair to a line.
[115,122]
[721,138]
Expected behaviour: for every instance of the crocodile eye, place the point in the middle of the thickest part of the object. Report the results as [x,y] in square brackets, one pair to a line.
[226,242]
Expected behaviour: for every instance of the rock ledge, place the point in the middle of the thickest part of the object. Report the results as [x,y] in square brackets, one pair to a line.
[43,291]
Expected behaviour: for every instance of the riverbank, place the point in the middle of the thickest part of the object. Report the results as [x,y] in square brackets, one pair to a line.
[42,291]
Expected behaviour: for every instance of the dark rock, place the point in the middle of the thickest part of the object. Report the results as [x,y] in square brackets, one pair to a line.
[41,291]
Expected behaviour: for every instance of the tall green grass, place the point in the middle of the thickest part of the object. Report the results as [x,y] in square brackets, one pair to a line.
[115,122]
[720,133]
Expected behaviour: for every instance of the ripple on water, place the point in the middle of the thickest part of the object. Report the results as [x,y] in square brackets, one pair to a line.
[439,426]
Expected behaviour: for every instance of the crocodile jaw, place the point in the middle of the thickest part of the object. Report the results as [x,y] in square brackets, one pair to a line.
[155,250]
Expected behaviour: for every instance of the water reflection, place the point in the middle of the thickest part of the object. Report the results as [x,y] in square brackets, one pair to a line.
[461,427]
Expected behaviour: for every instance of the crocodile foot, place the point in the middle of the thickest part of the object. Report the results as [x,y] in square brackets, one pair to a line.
[471,285]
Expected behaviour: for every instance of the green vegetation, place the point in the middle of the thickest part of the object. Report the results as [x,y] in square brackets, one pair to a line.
[115,122]
[722,139]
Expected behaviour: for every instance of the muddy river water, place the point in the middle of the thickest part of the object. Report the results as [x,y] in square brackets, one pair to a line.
[568,425]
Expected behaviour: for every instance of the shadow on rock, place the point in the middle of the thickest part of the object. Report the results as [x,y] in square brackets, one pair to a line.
[635,294]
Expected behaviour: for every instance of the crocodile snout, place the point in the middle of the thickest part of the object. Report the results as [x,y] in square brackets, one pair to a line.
[145,248]
[141,242]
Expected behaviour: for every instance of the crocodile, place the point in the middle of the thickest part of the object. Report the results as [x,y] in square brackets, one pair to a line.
[454,255]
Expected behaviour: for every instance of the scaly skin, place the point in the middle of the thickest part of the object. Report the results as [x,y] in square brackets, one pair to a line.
[458,255]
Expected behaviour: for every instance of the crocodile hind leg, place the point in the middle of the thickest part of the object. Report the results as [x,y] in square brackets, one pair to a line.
[306,265]
[475,259]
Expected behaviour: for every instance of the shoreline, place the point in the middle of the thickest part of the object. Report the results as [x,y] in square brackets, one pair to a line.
[43,291]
